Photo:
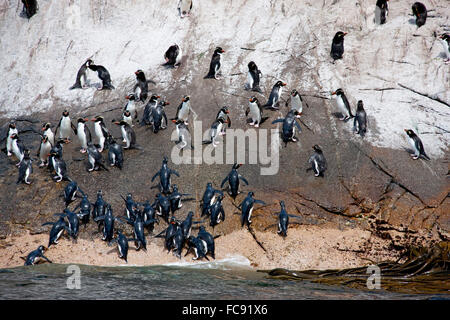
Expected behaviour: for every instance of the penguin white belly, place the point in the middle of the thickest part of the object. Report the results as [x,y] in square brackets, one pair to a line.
[446,48]
[297,104]
[205,247]
[131,105]
[316,167]
[99,134]
[16,151]
[254,113]
[27,174]
[250,215]
[412,143]
[120,251]
[82,136]
[178,58]
[184,112]
[128,120]
[65,128]
[249,80]
[45,150]
[92,162]
[50,135]
[341,106]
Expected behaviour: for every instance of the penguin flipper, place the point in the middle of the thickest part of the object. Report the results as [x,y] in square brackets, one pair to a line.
[174,172]
[260,202]
[48,224]
[156,174]
[243,179]
[223,182]
[278,120]
[298,126]
[263,119]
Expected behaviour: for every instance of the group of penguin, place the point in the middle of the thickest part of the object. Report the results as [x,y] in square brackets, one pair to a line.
[50,150]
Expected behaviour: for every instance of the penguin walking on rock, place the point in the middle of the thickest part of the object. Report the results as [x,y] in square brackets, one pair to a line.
[82,80]
[317,161]
[224,115]
[162,206]
[103,75]
[147,117]
[208,198]
[25,168]
[101,132]
[73,222]
[95,158]
[36,256]
[18,148]
[131,106]
[296,103]
[47,131]
[122,245]
[233,181]
[360,122]
[126,116]
[59,166]
[12,129]
[70,192]
[445,40]
[141,87]
[337,45]
[183,110]
[199,246]
[417,145]
[247,207]
[83,134]
[128,134]
[381,11]
[175,199]
[108,220]
[159,117]
[253,77]
[209,239]
[115,153]
[215,64]
[256,113]
[215,131]
[173,56]
[165,174]
[420,12]
[288,127]
[275,96]
[44,150]
[184,8]
[343,104]
[184,135]
[65,126]
[56,231]
[216,212]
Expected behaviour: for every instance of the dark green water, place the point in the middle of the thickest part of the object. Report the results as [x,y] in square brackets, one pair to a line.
[216,280]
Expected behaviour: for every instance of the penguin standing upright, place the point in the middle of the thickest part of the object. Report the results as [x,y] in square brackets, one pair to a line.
[208,198]
[381,11]
[445,40]
[83,134]
[30,7]
[184,8]
[337,46]
[159,117]
[253,75]
[420,12]
[275,96]
[131,105]
[184,135]
[115,153]
[12,129]
[82,80]
[164,176]
[65,126]
[101,132]
[209,239]
[283,220]
[247,207]
[216,211]
[47,131]
[296,103]
[95,158]
[104,75]
[215,64]
[44,150]
[183,110]
[317,161]
[59,166]
[233,181]
[25,168]
[288,128]
[126,116]
[417,145]
[360,122]
[256,113]
[224,115]
[343,104]
[128,134]
[141,87]
[215,131]
[17,148]
[147,117]
[173,56]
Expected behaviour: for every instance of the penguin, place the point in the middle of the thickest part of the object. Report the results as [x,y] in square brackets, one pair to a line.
[85,207]
[122,245]
[95,158]
[296,103]
[164,177]
[288,128]
[35,256]
[59,166]
[178,242]
[101,132]
[256,113]
[343,104]
[131,106]
[126,116]
[217,213]
[209,239]
[12,129]
[18,148]
[253,76]
[44,150]
[417,145]
[147,118]
[215,131]
[184,135]
[25,168]
[215,64]
[138,226]
[73,222]
[199,246]
[70,192]
[420,12]
[233,180]
[208,198]
[318,162]
[247,207]
[115,153]
[47,131]
[99,208]
[103,75]
[186,225]
[130,206]
[141,87]
[173,56]
[159,117]
[83,134]
[183,110]
[184,8]
[65,126]
[57,148]
[283,218]
[162,205]
[149,213]
[108,224]
[30,8]
[175,199]
[82,80]
[56,231]
[275,96]
[360,122]
[170,234]
[381,11]
[337,46]
[128,134]
[445,40]
[224,115]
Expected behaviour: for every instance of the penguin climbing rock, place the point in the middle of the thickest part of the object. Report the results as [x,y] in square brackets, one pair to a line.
[317,161]
[82,80]
[343,104]
[199,246]
[126,116]
[73,222]
[12,129]
[275,96]
[162,206]
[59,166]
[141,87]
[147,117]
[108,224]
[18,148]
[56,231]
[70,192]
[233,181]
[25,168]
[36,256]
[215,64]
[417,145]
[247,207]
[165,174]
[256,113]
[103,75]
[420,12]
[208,198]
[173,56]
[209,239]
[99,208]
[360,122]
[83,134]
[337,45]
[289,126]
[283,218]
[216,212]
[253,77]
[184,8]
[381,11]
[224,115]
[175,199]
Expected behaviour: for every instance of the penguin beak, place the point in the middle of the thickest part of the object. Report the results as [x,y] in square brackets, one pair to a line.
[127,97]
[345,33]
[333,93]
[66,141]
[174,121]
[116,122]
[406,130]
[86,119]
[284,83]
[158,97]
[183,99]
[93,119]
[223,51]
[250,100]
[167,103]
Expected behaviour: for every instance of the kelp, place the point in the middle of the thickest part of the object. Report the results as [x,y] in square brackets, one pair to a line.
[426,271]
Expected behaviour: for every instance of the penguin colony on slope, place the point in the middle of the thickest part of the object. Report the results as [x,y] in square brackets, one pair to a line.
[143,215]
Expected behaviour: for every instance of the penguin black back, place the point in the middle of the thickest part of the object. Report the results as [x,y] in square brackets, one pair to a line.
[337,46]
